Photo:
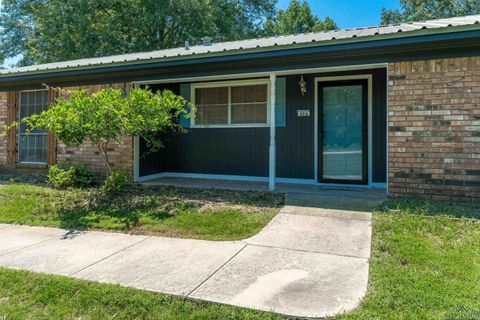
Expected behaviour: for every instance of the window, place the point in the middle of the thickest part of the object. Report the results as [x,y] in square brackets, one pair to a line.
[32,146]
[245,104]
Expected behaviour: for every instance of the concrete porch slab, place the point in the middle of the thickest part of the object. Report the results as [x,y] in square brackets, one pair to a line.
[169,265]
[304,284]
[16,237]
[67,254]
[356,200]
[323,234]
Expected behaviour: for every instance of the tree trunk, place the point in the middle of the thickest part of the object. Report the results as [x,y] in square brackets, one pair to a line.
[102,146]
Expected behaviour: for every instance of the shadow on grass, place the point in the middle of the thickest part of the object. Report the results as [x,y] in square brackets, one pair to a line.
[412,205]
[87,209]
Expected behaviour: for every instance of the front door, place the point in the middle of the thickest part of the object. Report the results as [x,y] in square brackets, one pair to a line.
[342,130]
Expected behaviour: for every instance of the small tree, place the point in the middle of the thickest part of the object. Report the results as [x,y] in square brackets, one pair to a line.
[105,117]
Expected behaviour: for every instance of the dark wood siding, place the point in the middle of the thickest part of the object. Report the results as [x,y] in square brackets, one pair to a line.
[239,151]
[228,151]
[295,150]
[295,142]
[244,151]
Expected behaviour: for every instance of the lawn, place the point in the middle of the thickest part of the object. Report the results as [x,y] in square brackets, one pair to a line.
[425,261]
[425,265]
[25,295]
[161,211]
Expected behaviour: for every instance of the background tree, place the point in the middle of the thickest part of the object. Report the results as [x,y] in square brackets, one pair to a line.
[297,18]
[105,117]
[419,10]
[43,31]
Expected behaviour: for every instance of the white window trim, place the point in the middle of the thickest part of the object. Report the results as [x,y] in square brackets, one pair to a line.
[20,134]
[230,84]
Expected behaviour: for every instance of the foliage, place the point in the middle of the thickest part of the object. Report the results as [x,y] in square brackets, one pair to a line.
[65,176]
[45,31]
[107,116]
[297,18]
[116,183]
[162,211]
[420,10]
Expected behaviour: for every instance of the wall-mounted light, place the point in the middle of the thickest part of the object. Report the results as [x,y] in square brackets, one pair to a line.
[303,85]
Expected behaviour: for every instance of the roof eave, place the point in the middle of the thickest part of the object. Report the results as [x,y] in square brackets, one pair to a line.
[328,43]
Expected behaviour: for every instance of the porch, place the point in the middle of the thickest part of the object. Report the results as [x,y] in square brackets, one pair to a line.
[314,127]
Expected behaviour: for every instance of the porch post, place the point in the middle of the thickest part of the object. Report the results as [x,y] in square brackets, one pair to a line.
[272,150]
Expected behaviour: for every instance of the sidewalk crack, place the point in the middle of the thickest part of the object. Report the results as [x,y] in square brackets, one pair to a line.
[109,256]
[309,251]
[218,269]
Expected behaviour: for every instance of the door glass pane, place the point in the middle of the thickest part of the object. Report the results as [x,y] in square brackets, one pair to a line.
[342,133]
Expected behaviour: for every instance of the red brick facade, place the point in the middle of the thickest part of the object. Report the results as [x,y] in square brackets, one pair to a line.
[434,129]
[121,155]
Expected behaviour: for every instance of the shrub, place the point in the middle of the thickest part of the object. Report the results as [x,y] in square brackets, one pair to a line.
[116,182]
[65,176]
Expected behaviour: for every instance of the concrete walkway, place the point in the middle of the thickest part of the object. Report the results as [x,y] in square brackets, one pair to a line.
[308,261]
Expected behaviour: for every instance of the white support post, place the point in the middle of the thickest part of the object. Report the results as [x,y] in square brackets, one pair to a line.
[272,150]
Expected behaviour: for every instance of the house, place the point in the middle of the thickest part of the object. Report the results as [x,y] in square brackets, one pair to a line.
[394,107]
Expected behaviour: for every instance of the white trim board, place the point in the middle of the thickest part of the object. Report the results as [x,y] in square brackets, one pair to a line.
[232,83]
[367,77]
[251,179]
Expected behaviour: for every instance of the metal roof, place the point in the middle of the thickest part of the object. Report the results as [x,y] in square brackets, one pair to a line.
[263,44]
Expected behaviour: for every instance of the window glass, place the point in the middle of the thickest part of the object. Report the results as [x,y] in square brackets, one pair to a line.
[212,105]
[246,104]
[32,146]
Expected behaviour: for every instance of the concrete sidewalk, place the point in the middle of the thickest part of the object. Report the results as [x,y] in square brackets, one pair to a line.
[307,262]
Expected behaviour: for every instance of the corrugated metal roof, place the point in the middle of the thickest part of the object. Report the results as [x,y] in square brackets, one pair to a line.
[262,44]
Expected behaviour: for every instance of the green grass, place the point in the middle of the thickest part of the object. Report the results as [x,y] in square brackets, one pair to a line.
[425,261]
[25,295]
[425,264]
[163,211]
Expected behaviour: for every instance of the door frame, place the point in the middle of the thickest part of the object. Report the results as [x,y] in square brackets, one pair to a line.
[364,129]
[369,155]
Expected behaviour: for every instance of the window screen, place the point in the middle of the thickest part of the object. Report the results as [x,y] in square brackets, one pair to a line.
[32,146]
[233,105]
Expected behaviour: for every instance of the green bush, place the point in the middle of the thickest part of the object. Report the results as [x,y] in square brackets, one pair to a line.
[65,176]
[116,182]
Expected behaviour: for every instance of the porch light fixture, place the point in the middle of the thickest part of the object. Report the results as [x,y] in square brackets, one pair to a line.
[303,85]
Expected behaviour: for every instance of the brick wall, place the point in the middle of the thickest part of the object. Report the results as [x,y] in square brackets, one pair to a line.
[434,129]
[121,155]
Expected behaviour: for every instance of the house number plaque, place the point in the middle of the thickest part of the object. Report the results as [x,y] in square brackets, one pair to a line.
[303,113]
